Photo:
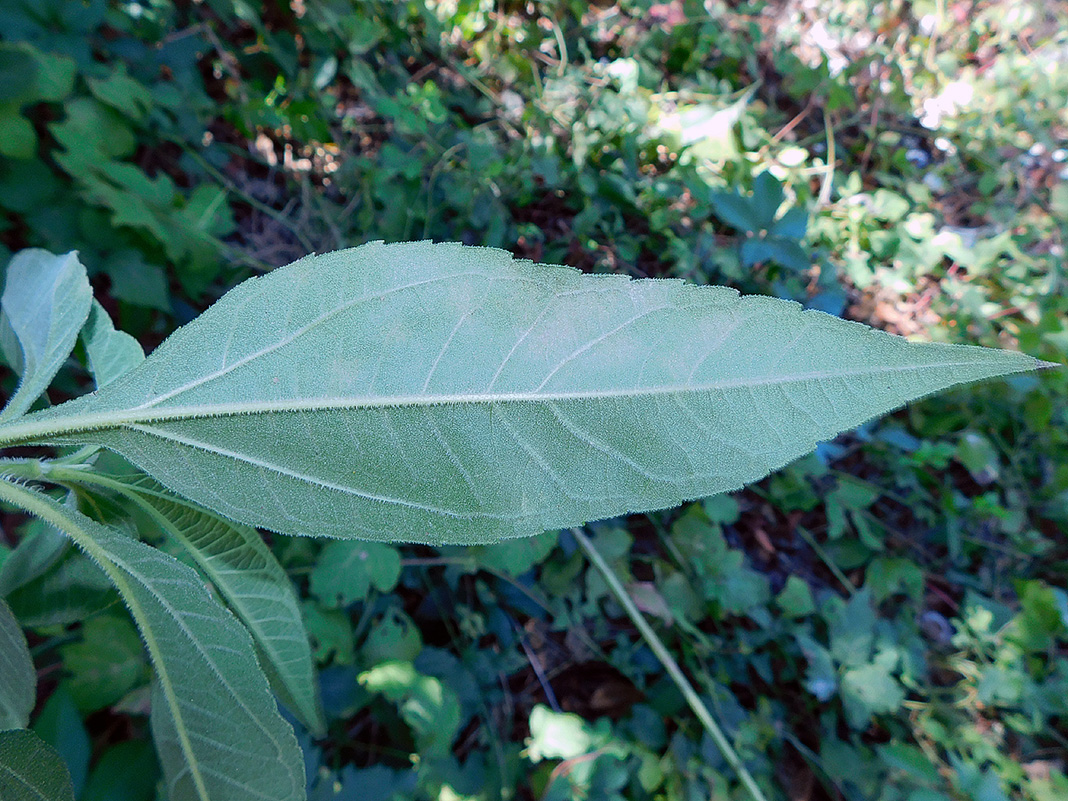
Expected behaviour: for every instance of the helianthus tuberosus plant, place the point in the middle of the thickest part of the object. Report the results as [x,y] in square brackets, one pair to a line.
[416,392]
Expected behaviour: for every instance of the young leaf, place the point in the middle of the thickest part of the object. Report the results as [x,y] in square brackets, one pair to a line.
[31,770]
[242,568]
[45,303]
[111,353]
[767,197]
[18,679]
[440,393]
[216,727]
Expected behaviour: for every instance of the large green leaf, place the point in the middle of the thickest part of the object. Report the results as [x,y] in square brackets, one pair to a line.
[31,770]
[439,393]
[218,732]
[18,679]
[242,568]
[45,303]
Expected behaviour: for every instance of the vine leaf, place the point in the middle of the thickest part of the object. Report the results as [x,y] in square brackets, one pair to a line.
[45,303]
[346,571]
[441,393]
[216,727]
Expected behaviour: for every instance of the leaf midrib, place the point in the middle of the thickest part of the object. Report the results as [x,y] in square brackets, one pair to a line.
[36,429]
[18,777]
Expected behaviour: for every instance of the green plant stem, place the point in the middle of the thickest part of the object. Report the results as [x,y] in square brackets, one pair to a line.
[670,665]
[245,197]
[828,178]
[823,555]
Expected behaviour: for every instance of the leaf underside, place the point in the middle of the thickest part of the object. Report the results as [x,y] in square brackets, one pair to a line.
[245,572]
[31,770]
[217,729]
[441,393]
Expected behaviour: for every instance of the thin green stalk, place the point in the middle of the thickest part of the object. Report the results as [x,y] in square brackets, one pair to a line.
[670,665]
[823,555]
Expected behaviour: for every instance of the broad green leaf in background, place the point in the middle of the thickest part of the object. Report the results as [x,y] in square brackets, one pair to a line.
[30,770]
[28,76]
[440,393]
[429,707]
[122,93]
[768,195]
[245,572]
[18,139]
[17,70]
[346,571]
[110,353]
[393,637]
[331,634]
[215,723]
[106,664]
[46,301]
[514,558]
[18,679]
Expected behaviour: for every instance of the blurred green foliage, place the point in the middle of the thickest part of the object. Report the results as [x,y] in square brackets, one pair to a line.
[885,620]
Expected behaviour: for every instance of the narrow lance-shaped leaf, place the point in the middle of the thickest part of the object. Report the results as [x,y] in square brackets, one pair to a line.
[31,770]
[440,393]
[218,731]
[18,679]
[45,303]
[242,568]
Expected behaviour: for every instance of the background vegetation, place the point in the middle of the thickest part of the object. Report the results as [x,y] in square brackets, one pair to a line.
[887,619]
